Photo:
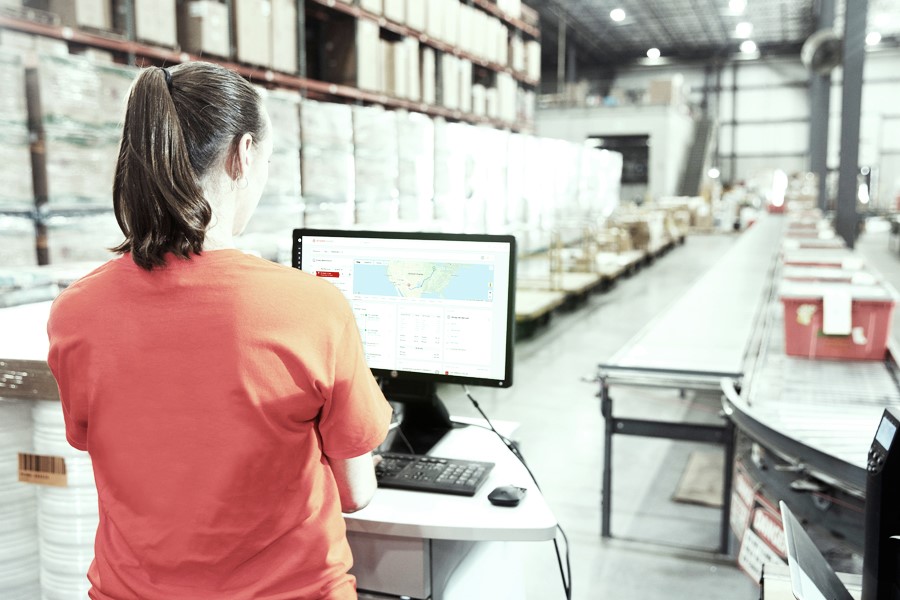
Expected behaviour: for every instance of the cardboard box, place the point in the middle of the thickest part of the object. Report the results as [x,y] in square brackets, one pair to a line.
[413,71]
[284,35]
[479,100]
[533,59]
[465,86]
[155,22]
[253,31]
[451,22]
[502,44]
[428,78]
[395,10]
[369,69]
[203,28]
[96,14]
[372,6]
[466,19]
[517,54]
[492,103]
[450,68]
[434,22]
[416,11]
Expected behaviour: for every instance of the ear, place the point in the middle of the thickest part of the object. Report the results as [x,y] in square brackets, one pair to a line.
[243,158]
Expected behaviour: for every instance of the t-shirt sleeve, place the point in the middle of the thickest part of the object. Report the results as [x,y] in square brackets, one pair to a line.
[74,404]
[355,416]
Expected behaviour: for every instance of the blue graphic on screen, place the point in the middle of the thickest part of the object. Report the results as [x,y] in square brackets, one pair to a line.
[425,280]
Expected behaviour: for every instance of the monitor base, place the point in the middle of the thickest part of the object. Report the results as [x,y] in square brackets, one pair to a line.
[423,417]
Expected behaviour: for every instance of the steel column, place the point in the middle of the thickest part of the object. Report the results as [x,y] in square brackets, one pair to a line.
[851,101]
[819,107]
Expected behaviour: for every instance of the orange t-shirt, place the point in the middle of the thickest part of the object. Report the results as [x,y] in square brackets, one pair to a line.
[209,394]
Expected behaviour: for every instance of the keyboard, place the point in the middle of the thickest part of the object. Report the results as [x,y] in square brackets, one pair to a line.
[431,474]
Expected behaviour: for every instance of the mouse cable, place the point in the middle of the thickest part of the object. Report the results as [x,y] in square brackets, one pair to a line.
[565,573]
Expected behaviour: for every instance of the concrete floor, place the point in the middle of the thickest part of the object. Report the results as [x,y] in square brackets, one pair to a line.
[553,398]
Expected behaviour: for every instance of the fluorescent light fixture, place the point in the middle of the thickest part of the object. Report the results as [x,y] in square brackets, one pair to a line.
[713,173]
[653,53]
[744,29]
[873,38]
[737,7]
[617,15]
[748,47]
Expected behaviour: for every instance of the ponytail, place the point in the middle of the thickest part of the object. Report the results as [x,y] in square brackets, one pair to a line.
[180,123]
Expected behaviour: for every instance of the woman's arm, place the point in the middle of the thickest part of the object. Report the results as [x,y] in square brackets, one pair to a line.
[355,479]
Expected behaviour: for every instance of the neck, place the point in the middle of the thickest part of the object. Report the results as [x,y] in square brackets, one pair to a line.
[219,234]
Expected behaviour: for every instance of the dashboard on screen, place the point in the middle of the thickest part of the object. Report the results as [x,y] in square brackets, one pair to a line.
[436,307]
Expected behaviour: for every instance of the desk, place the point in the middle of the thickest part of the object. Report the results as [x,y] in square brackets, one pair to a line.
[438,546]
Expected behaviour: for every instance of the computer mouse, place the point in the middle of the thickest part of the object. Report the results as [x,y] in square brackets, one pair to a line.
[506,495]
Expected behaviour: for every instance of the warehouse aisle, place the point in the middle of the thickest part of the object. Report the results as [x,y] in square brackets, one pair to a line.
[561,435]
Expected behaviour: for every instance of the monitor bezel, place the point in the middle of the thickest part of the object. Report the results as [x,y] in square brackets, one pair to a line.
[507,381]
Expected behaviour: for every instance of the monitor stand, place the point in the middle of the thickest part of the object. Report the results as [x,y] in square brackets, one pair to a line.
[425,419]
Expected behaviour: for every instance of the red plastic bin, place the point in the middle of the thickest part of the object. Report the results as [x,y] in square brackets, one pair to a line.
[871,313]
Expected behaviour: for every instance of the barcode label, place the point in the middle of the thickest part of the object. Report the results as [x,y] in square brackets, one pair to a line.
[43,470]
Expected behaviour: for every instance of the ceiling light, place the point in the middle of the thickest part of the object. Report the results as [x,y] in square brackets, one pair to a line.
[617,15]
[653,53]
[737,6]
[873,38]
[748,47]
[743,29]
[713,173]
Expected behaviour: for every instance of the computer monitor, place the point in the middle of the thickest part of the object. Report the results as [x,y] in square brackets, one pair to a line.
[431,308]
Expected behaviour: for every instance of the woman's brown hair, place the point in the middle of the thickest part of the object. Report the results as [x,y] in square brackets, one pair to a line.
[180,123]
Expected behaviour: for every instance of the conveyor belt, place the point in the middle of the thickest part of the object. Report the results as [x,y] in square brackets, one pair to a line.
[708,329]
[818,413]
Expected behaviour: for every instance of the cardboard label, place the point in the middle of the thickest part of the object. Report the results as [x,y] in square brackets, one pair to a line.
[740,516]
[754,554]
[767,525]
[42,470]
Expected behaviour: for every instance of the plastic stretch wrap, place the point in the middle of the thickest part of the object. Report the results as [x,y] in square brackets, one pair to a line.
[81,164]
[326,125]
[488,214]
[77,91]
[376,161]
[452,173]
[18,241]
[284,184]
[19,563]
[82,238]
[15,168]
[67,516]
[415,145]
[13,109]
[327,164]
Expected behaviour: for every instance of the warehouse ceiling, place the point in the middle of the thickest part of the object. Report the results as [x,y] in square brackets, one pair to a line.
[688,29]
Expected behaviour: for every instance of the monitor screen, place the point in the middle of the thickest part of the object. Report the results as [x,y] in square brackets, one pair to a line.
[434,307]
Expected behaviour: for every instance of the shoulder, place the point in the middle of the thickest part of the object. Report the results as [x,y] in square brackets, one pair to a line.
[85,294]
[294,288]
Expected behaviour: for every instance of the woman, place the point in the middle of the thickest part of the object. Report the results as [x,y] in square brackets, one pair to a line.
[224,400]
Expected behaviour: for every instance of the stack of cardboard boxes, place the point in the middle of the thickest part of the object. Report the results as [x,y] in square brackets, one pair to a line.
[327,165]
[415,146]
[375,153]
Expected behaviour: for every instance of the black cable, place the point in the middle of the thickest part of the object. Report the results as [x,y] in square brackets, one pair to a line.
[565,573]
